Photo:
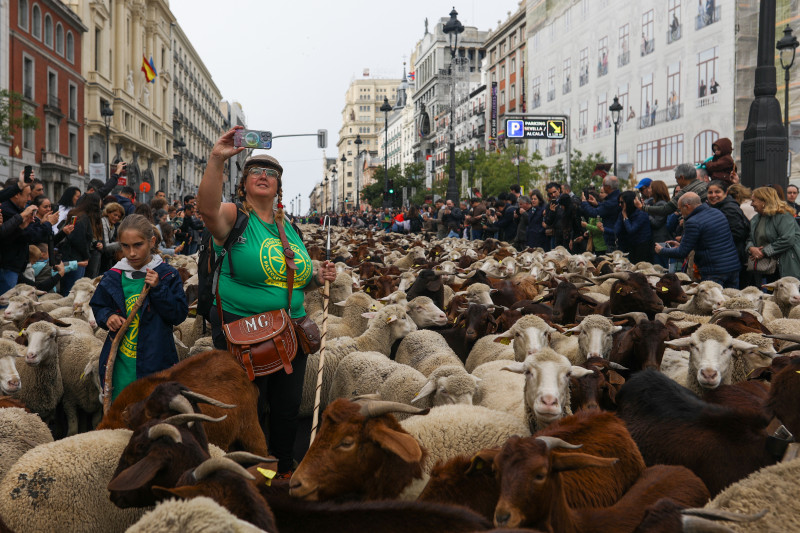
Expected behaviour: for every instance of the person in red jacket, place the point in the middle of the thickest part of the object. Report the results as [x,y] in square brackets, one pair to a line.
[721,165]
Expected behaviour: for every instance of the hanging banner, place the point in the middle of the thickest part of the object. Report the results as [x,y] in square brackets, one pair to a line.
[493,121]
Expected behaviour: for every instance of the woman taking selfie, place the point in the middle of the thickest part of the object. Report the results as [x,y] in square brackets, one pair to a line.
[252,291]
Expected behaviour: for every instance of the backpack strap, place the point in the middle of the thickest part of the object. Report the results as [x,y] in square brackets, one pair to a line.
[235,235]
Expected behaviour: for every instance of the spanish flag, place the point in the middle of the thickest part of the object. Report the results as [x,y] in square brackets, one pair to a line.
[149,69]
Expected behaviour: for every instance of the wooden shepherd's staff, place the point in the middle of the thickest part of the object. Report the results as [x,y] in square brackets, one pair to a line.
[112,355]
[320,368]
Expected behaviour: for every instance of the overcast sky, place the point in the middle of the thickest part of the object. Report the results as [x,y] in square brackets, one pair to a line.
[289,63]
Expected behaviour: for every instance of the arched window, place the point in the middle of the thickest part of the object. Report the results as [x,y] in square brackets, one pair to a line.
[70,47]
[36,22]
[59,39]
[702,145]
[48,30]
[22,16]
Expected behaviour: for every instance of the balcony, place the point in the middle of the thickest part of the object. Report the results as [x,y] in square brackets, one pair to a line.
[567,87]
[583,79]
[602,69]
[674,33]
[551,95]
[53,106]
[53,160]
[672,112]
[707,18]
[623,59]
[706,101]
[535,102]
[648,47]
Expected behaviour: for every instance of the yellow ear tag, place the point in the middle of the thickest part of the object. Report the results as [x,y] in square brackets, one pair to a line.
[663,289]
[269,474]
[797,371]
[367,289]
[478,465]
[619,290]
[505,341]
[21,332]
[388,320]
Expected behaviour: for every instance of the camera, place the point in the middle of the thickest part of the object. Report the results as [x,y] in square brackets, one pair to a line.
[484,219]
[252,139]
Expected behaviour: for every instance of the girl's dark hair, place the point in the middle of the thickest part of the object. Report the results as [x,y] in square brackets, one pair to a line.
[140,225]
[537,194]
[721,184]
[67,197]
[167,233]
[145,211]
[628,197]
[89,205]
[39,200]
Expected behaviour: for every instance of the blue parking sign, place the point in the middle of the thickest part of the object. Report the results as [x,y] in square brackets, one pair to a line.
[515,129]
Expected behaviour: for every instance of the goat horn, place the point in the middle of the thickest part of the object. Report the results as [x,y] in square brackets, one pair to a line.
[176,420]
[784,337]
[209,466]
[165,430]
[716,317]
[618,275]
[180,404]
[585,284]
[663,318]
[721,514]
[247,457]
[468,275]
[617,366]
[789,348]
[374,408]
[696,524]
[205,399]
[555,442]
[637,316]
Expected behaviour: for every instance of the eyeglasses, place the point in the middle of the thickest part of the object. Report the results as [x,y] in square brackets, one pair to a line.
[257,171]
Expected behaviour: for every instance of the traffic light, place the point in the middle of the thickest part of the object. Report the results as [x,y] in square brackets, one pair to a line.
[391,186]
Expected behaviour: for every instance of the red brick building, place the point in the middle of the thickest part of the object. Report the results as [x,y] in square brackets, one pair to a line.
[45,68]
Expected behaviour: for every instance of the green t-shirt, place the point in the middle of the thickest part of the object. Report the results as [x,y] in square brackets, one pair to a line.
[260,268]
[125,363]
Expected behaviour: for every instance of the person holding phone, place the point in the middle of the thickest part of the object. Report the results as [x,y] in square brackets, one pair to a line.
[68,200]
[86,217]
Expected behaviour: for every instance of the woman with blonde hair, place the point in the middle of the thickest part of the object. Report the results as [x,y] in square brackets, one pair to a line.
[774,233]
[742,195]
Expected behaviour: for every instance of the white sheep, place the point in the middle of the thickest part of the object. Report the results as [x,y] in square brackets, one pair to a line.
[75,353]
[9,377]
[478,293]
[500,390]
[352,323]
[198,514]
[447,385]
[485,350]
[785,293]
[784,326]
[774,489]
[711,350]
[706,298]
[20,308]
[203,344]
[424,312]
[339,291]
[20,431]
[530,334]
[546,393]
[40,372]
[386,326]
[191,329]
[425,351]
[595,339]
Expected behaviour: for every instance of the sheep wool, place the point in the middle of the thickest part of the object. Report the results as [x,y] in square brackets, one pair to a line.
[773,488]
[423,341]
[500,390]
[486,350]
[198,515]
[20,431]
[75,352]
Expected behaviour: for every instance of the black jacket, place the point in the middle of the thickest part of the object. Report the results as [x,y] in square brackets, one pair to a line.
[77,245]
[740,226]
[14,254]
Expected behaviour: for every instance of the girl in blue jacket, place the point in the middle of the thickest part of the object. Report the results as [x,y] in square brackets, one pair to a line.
[148,344]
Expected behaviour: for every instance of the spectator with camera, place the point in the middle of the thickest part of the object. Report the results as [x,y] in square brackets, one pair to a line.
[476,213]
[607,210]
[522,216]
[536,227]
[16,232]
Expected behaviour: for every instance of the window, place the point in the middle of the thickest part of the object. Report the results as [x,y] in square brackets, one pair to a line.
[673,90]
[602,112]
[648,42]
[674,20]
[536,91]
[48,30]
[502,98]
[663,154]
[27,133]
[513,92]
[36,22]
[73,101]
[513,65]
[503,71]
[707,72]
[583,118]
[59,39]
[567,18]
[567,75]
[73,146]
[584,75]
[52,137]
[702,145]
[22,15]
[52,89]
[27,78]
[622,96]
[551,84]
[624,45]
[647,100]
[602,56]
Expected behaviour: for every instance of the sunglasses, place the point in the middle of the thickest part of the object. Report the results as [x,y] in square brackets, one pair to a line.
[257,171]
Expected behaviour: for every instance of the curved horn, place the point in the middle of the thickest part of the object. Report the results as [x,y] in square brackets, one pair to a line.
[789,348]
[663,318]
[617,366]
[720,514]
[637,316]
[180,404]
[209,466]
[165,430]
[375,408]
[584,284]
[196,396]
[696,524]
[177,420]
[618,275]
[555,442]
[468,275]
[784,337]
[735,313]
[247,457]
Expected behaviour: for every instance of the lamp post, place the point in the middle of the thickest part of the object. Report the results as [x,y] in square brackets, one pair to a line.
[472,169]
[180,145]
[106,112]
[616,110]
[298,204]
[518,142]
[358,142]
[787,46]
[325,195]
[452,28]
[344,173]
[386,108]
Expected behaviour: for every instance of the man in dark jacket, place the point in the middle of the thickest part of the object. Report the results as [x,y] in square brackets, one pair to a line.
[474,218]
[607,210]
[506,223]
[522,216]
[190,230]
[706,231]
[15,235]
[125,199]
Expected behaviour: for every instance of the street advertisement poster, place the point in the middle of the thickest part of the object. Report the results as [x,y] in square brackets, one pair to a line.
[97,171]
[493,122]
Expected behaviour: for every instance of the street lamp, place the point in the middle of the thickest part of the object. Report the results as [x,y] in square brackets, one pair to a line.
[472,168]
[325,194]
[358,142]
[386,108]
[344,173]
[106,112]
[616,115]
[518,142]
[787,46]
[452,28]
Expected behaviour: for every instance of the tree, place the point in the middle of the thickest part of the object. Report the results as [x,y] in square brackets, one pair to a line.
[498,170]
[13,117]
[581,170]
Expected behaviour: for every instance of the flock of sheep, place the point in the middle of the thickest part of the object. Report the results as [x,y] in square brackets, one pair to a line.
[412,322]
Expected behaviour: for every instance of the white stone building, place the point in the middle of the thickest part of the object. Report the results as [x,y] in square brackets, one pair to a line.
[234,116]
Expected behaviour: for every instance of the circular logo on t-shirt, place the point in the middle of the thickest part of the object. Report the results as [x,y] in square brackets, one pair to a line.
[274,263]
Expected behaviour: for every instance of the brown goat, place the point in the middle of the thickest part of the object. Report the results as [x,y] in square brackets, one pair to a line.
[784,394]
[465,481]
[215,374]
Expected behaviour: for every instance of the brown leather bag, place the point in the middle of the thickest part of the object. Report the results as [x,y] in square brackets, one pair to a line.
[266,342]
